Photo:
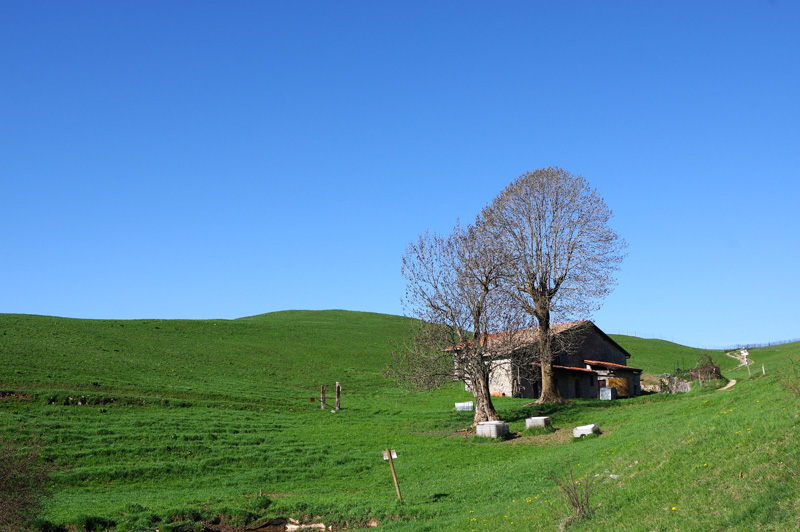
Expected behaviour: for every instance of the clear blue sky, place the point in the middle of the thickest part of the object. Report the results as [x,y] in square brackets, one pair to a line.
[198,159]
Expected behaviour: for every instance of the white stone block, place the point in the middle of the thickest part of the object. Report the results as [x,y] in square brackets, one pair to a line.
[585,430]
[542,421]
[465,407]
[491,429]
[608,394]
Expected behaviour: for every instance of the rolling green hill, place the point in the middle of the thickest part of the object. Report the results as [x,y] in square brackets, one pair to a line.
[164,423]
[660,356]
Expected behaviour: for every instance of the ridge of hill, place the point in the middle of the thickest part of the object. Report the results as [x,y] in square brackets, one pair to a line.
[169,357]
[254,357]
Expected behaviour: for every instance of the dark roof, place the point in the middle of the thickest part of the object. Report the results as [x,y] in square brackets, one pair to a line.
[532,334]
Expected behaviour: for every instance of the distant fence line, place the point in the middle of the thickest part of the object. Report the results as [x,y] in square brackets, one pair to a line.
[729,347]
[768,344]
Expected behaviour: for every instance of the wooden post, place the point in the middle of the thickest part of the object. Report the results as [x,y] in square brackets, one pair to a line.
[338,395]
[763,371]
[388,453]
[322,397]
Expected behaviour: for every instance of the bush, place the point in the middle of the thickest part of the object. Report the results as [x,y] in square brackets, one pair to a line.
[791,381]
[576,492]
[23,485]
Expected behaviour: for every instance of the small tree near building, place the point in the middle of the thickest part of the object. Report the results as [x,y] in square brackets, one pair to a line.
[454,290]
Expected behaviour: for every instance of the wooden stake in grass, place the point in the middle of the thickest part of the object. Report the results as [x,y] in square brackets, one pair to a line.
[322,397]
[388,455]
[338,395]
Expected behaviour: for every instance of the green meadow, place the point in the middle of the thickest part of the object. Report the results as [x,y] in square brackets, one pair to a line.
[185,425]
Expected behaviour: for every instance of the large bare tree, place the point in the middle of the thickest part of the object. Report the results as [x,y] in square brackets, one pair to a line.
[454,290]
[564,254]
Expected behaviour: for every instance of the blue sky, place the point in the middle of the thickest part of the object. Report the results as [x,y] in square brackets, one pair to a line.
[217,160]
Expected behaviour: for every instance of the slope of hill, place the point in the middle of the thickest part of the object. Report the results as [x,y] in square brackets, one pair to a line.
[256,358]
[162,424]
[661,356]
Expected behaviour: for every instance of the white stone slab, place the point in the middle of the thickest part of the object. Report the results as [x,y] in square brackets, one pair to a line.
[608,394]
[465,407]
[585,430]
[491,429]
[541,421]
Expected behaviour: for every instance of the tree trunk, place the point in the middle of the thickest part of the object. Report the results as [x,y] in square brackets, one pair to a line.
[550,392]
[484,409]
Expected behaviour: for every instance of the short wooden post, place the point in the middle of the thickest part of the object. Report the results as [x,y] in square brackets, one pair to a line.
[763,371]
[322,397]
[338,395]
[387,455]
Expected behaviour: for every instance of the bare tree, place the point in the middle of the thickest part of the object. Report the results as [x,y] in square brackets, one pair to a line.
[454,290]
[563,252]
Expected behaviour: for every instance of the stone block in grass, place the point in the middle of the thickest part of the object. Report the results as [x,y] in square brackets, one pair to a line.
[585,430]
[491,429]
[464,407]
[537,422]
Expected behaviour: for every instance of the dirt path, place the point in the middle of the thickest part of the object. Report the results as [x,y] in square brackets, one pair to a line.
[729,385]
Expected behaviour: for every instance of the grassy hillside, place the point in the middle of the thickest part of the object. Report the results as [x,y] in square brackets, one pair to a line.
[257,359]
[659,356]
[183,421]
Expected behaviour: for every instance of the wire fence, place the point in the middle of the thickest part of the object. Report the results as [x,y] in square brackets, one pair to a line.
[767,344]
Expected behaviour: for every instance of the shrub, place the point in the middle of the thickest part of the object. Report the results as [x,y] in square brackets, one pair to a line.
[791,381]
[23,484]
[576,492]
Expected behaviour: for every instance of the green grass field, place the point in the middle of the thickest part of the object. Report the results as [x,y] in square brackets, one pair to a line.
[156,424]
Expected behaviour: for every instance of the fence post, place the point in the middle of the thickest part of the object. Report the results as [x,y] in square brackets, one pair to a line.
[338,395]
[322,397]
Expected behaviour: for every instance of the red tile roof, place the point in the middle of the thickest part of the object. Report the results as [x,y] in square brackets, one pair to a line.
[569,368]
[609,365]
[531,334]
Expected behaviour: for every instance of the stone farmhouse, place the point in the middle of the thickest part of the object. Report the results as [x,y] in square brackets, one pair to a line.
[585,359]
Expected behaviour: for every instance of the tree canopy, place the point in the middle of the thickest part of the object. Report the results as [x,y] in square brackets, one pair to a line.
[542,249]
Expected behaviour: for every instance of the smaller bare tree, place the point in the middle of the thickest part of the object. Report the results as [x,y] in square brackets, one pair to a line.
[575,491]
[466,322]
